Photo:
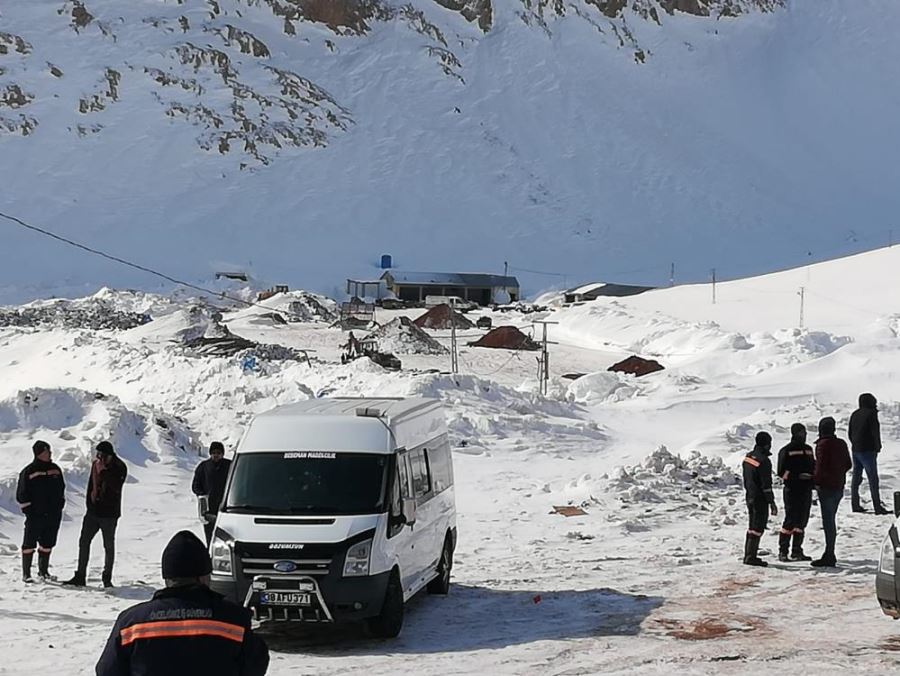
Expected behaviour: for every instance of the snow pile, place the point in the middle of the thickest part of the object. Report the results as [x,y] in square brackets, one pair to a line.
[73,421]
[663,477]
[601,386]
[179,327]
[402,336]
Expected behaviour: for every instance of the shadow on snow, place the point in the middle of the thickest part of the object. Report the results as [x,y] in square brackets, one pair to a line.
[476,618]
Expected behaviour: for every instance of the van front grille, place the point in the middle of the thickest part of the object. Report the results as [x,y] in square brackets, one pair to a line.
[266,566]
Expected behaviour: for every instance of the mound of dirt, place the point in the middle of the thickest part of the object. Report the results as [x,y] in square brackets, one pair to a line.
[443,317]
[506,338]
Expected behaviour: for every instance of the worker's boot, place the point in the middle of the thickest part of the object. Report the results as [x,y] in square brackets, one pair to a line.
[751,551]
[797,549]
[27,558]
[784,542]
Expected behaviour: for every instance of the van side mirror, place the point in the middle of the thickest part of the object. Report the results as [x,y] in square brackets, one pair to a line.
[409,511]
[897,504]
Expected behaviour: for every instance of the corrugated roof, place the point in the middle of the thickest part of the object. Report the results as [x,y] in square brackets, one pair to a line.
[452,278]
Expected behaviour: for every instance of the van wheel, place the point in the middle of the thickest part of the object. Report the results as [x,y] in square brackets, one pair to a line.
[389,622]
[441,584]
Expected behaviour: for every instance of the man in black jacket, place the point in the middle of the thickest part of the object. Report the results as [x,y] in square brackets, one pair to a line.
[760,496]
[209,480]
[865,442]
[104,507]
[41,494]
[796,465]
[186,629]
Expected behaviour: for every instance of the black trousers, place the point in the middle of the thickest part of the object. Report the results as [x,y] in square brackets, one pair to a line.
[759,517]
[797,503]
[89,528]
[41,529]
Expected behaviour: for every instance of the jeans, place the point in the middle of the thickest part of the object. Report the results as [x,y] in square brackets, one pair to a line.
[89,528]
[829,499]
[868,462]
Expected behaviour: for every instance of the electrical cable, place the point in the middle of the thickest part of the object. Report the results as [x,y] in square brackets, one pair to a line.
[130,264]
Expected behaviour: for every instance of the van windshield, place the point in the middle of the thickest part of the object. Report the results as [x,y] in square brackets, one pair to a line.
[308,482]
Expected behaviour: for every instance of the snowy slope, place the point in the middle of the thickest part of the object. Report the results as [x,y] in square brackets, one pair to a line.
[253,134]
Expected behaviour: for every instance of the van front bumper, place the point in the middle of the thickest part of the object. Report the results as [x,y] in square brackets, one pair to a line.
[333,599]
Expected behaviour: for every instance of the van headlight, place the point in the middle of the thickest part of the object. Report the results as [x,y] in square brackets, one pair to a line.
[357,562]
[220,552]
[888,556]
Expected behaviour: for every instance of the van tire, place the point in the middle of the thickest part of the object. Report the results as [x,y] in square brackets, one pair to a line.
[441,584]
[389,621]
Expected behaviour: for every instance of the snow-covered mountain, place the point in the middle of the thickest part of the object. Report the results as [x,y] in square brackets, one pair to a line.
[303,138]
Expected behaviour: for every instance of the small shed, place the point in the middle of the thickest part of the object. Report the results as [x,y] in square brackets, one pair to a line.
[506,338]
[443,317]
[481,288]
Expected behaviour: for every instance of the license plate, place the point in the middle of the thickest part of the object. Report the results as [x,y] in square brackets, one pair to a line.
[272,598]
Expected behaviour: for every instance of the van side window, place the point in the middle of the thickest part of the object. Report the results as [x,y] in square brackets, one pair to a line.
[395,522]
[440,464]
[421,480]
[403,473]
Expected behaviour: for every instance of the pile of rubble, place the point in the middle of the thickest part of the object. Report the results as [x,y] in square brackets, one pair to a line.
[95,316]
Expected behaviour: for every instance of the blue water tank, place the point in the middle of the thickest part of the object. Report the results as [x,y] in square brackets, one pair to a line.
[386,262]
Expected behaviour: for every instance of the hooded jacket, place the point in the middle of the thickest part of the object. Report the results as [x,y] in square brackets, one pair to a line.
[864,430]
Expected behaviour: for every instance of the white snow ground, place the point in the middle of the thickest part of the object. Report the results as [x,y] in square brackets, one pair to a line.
[647,582]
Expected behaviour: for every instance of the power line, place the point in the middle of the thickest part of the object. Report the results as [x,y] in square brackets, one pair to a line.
[122,261]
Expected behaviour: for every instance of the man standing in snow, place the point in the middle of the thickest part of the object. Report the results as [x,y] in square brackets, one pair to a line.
[41,494]
[186,629]
[865,440]
[832,465]
[209,480]
[796,464]
[104,507]
[760,496]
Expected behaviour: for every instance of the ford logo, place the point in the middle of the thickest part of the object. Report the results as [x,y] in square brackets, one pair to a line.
[285,566]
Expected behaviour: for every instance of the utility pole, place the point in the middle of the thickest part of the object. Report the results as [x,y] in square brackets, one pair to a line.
[802,294]
[506,268]
[672,276]
[544,360]
[454,356]
[714,285]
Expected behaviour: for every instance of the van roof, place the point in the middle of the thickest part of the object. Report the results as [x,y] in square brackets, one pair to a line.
[389,407]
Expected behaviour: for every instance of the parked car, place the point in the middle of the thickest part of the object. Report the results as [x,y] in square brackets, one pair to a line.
[887,577]
[454,301]
[338,510]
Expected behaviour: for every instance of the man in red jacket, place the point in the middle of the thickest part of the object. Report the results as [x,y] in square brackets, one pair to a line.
[832,465]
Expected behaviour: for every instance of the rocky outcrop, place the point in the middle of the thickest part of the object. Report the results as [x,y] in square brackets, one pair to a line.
[480,11]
